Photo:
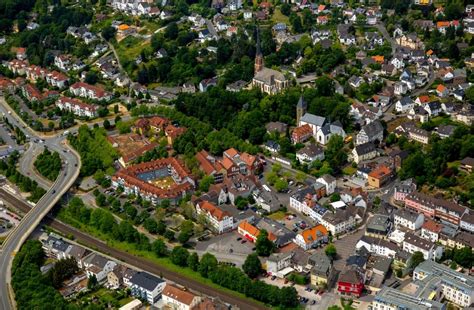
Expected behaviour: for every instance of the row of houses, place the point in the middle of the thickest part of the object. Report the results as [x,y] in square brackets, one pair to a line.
[114,275]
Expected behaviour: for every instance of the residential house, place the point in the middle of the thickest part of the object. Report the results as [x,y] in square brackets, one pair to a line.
[322,270]
[179,298]
[442,91]
[404,104]
[408,219]
[378,246]
[351,281]
[364,152]
[431,230]
[310,153]
[77,107]
[379,226]
[338,222]
[371,132]
[210,165]
[467,164]
[98,266]
[147,286]
[329,182]
[380,176]
[413,243]
[219,220]
[435,207]
[467,222]
[206,83]
[301,134]
[312,237]
[82,89]
[278,261]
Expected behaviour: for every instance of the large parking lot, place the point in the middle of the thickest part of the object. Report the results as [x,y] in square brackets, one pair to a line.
[228,247]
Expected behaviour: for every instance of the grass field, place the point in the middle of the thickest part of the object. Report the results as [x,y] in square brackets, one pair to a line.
[129,48]
[278,17]
[277,216]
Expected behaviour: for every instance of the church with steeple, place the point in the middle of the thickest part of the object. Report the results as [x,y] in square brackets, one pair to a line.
[267,80]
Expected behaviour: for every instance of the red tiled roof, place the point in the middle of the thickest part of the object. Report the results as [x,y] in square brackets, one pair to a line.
[379,172]
[178,294]
[432,226]
[213,210]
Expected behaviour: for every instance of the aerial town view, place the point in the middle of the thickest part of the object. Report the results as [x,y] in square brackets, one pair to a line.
[229,154]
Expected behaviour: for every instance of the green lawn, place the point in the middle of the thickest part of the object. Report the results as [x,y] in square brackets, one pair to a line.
[277,216]
[278,17]
[349,170]
[129,48]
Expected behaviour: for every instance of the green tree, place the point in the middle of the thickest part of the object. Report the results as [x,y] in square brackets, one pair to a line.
[281,185]
[92,282]
[208,264]
[179,256]
[159,248]
[205,182]
[252,266]
[416,259]
[263,245]
[335,154]
[193,261]
[108,33]
[331,251]
[464,257]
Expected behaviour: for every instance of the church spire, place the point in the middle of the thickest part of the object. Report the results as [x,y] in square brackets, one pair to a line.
[258,54]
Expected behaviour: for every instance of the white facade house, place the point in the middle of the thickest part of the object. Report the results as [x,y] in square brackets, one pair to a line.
[467,222]
[81,89]
[179,299]
[220,220]
[338,222]
[414,243]
[329,181]
[147,286]
[278,261]
[98,266]
[404,105]
[77,107]
[378,246]
[408,219]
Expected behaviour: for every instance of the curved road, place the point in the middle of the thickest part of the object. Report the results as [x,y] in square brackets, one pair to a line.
[68,175]
[139,262]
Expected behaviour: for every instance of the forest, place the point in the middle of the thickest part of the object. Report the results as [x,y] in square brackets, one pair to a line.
[96,152]
[48,164]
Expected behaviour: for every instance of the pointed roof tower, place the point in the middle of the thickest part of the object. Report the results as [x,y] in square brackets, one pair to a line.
[301,103]
[258,54]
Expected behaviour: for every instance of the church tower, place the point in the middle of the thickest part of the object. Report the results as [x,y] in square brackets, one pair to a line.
[301,108]
[258,54]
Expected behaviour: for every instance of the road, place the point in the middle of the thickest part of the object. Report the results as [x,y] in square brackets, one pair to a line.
[381,27]
[29,222]
[130,259]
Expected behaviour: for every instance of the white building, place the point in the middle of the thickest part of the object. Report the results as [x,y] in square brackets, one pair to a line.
[179,299]
[338,222]
[329,181]
[311,237]
[278,261]
[455,286]
[147,286]
[408,219]
[413,243]
[98,266]
[220,220]
[77,107]
[467,222]
[378,246]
